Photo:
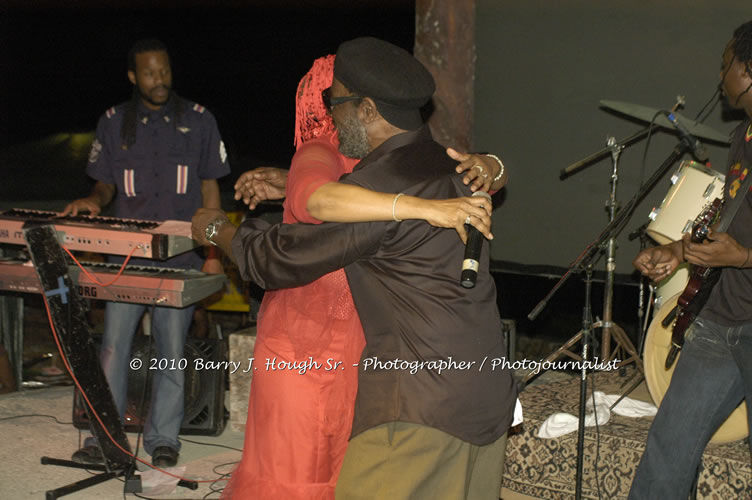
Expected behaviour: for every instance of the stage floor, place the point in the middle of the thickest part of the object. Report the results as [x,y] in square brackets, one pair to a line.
[25,440]
[535,468]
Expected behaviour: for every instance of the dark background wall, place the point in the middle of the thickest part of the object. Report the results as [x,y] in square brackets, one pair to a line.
[542,68]
[63,66]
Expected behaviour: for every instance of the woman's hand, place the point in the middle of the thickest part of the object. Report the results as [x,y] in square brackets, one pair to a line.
[480,170]
[456,212]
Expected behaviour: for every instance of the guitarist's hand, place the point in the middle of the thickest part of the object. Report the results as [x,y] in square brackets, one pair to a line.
[657,262]
[719,250]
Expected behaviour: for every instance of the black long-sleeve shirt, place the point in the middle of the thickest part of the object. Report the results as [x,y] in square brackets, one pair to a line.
[434,349]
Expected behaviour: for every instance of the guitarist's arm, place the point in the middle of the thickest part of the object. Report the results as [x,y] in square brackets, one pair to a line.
[719,250]
[659,262]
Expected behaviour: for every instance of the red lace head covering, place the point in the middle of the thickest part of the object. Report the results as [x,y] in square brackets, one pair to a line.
[311,117]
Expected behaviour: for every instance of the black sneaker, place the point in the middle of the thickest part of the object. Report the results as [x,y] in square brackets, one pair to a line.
[90,455]
[164,456]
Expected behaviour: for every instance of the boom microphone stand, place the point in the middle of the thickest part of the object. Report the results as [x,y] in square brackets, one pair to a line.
[607,243]
[609,328]
[584,264]
[587,333]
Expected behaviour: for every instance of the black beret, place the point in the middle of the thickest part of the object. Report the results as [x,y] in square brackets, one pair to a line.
[397,82]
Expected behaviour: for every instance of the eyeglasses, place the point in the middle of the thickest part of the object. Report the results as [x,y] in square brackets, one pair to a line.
[330,102]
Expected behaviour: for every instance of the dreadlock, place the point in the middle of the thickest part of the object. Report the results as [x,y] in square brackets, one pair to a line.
[741,47]
[130,115]
[311,117]
[743,43]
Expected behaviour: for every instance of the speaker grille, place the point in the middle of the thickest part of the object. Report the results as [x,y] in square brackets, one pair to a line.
[204,389]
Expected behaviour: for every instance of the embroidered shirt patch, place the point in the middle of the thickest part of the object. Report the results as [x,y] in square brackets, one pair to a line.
[96,148]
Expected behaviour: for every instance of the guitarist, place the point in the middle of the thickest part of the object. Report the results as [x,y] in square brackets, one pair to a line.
[714,371]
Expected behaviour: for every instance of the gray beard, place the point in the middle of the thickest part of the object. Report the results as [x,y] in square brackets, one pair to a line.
[353,140]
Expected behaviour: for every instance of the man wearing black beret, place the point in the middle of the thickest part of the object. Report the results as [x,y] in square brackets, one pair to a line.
[434,403]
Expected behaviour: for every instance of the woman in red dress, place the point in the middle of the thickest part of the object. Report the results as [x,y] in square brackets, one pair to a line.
[308,338]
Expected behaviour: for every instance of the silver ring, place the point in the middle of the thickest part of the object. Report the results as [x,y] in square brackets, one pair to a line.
[479,167]
[467,220]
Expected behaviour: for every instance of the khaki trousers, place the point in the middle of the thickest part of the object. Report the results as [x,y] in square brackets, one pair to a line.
[401,461]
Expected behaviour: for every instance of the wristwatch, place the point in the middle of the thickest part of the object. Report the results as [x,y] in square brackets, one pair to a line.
[212,229]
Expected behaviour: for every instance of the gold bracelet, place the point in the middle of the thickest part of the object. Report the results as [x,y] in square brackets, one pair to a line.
[501,166]
[394,207]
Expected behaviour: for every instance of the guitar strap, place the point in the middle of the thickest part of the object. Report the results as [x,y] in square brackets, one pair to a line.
[732,206]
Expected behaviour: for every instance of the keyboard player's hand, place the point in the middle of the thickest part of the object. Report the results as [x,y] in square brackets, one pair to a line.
[81,205]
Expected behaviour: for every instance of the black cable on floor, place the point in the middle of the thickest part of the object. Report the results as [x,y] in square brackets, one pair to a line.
[37,415]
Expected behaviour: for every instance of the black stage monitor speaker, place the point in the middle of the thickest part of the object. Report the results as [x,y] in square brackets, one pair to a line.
[204,388]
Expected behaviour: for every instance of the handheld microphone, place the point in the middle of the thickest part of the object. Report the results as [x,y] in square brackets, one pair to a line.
[473,247]
[698,150]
